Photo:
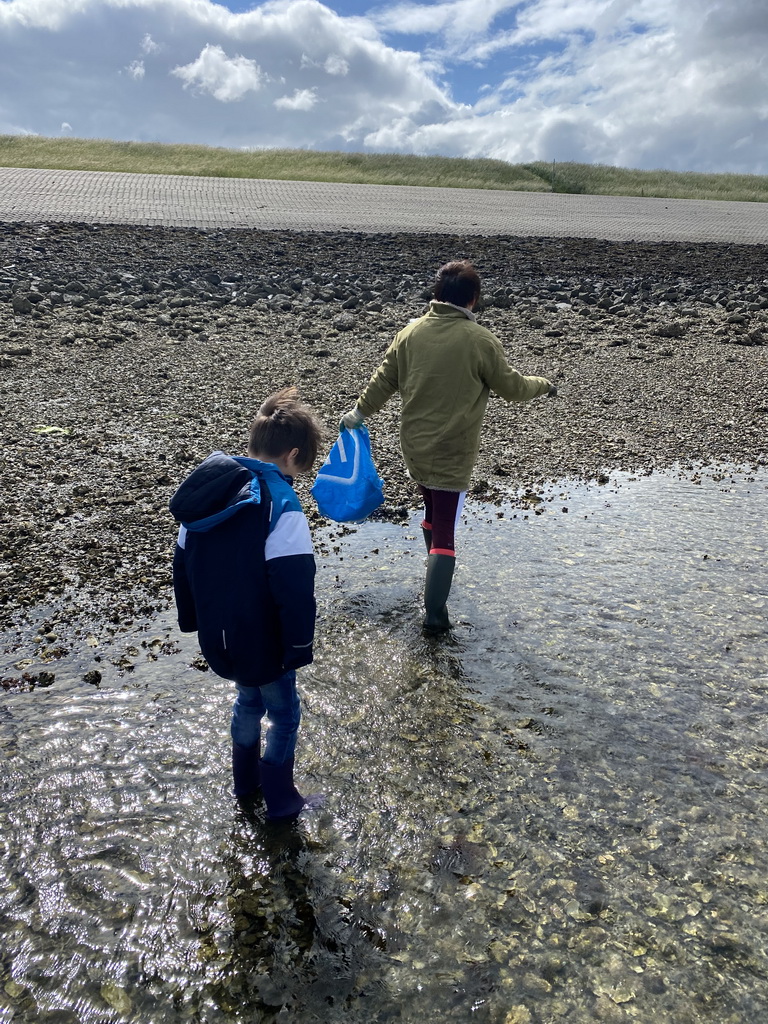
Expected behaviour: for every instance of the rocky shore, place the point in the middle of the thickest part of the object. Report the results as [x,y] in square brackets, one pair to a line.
[128,354]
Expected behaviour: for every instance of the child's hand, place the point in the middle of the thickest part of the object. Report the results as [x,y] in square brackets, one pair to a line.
[351,420]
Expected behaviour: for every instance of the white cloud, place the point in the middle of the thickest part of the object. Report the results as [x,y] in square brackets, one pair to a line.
[210,76]
[332,65]
[302,99]
[148,45]
[456,20]
[645,83]
[336,65]
[225,78]
[11,128]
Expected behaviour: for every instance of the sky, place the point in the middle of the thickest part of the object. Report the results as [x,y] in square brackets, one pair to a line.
[674,84]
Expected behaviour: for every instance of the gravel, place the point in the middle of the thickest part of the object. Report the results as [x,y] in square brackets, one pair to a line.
[128,354]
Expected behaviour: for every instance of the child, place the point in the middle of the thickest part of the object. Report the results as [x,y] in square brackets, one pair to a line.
[243,576]
[444,365]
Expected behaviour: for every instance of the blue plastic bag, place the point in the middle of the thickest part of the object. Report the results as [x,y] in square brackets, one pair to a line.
[348,488]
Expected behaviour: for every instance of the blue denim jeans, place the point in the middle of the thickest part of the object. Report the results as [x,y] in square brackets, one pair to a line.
[280,702]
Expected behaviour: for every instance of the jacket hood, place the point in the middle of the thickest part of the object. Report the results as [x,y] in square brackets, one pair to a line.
[220,487]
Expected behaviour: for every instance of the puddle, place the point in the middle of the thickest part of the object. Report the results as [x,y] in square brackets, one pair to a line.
[556,813]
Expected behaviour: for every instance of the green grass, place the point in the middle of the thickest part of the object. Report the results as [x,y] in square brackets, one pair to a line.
[603,180]
[373,168]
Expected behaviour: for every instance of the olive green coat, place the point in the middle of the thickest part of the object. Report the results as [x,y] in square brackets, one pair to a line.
[444,365]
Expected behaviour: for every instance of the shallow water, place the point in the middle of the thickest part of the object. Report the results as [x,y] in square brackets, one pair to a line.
[557,813]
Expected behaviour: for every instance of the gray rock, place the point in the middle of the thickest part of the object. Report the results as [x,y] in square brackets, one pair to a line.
[676,329]
[345,322]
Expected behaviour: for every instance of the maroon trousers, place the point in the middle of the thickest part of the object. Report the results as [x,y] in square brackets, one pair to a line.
[441,514]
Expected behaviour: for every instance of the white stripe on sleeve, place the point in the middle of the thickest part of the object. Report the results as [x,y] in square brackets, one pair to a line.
[290,537]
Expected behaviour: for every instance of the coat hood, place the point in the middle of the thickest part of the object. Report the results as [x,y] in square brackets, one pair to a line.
[220,487]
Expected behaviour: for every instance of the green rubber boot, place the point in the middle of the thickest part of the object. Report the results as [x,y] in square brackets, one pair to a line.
[438,587]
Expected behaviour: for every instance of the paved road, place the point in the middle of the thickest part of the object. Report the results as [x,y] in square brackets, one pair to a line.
[107,197]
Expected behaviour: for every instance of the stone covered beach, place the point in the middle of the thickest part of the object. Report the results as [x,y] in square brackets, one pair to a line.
[555,812]
[129,353]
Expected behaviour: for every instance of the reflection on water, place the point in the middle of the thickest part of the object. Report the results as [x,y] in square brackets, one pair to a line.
[558,813]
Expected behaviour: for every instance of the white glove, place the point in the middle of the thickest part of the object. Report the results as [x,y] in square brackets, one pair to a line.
[352,419]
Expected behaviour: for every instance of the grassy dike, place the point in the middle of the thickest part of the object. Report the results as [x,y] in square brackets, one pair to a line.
[374,169]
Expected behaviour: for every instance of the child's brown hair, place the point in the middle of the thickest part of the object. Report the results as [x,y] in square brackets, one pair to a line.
[283,423]
[457,282]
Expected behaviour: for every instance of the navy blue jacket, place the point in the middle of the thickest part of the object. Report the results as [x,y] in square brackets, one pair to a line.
[244,570]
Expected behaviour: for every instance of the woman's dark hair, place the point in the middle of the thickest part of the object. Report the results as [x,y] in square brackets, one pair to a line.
[284,423]
[457,282]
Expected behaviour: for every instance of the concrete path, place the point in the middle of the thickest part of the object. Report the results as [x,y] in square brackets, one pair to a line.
[116,198]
